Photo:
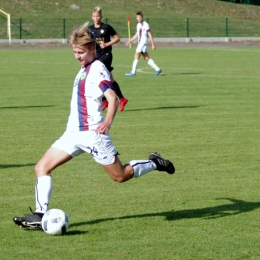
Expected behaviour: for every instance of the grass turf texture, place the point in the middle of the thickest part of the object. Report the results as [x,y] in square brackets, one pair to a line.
[167,18]
[202,112]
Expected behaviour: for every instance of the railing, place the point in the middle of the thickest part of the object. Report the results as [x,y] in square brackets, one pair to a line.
[161,28]
[248,2]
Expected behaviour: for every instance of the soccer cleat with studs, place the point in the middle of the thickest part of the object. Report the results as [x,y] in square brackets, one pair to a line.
[30,221]
[157,72]
[162,165]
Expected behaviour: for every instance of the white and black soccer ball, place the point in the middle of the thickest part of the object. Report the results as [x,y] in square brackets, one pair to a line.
[55,222]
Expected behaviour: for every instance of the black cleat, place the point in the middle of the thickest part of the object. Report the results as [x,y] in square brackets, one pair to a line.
[162,164]
[30,221]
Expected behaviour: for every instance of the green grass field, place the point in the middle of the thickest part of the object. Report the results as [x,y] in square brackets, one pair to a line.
[202,112]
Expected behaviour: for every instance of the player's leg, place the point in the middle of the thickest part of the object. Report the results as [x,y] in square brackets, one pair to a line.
[116,87]
[152,64]
[134,168]
[118,172]
[107,61]
[135,63]
[137,168]
[106,155]
[50,160]
[60,152]
[122,100]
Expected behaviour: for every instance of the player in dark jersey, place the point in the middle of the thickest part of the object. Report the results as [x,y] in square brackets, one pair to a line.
[102,33]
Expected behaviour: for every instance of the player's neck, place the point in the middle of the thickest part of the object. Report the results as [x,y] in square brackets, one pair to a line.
[97,25]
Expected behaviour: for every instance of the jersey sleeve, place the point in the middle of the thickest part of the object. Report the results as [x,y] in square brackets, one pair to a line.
[147,27]
[105,85]
[104,79]
[112,31]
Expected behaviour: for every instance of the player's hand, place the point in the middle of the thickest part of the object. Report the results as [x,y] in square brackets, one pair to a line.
[102,128]
[127,43]
[154,47]
[102,45]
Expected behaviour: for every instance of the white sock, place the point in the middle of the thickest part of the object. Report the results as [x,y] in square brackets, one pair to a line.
[141,167]
[43,190]
[153,65]
[135,64]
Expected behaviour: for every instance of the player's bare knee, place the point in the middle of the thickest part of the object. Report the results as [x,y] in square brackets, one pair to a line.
[39,170]
[36,169]
[119,179]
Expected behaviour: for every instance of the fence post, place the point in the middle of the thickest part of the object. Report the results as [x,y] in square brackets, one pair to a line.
[187,29]
[20,28]
[226,29]
[64,30]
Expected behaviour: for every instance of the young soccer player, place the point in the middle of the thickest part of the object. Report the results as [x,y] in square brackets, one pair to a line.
[142,33]
[102,33]
[87,130]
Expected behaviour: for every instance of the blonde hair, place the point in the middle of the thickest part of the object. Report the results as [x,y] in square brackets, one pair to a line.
[98,10]
[82,36]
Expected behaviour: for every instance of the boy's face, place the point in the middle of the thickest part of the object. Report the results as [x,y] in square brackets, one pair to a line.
[139,18]
[96,17]
[84,55]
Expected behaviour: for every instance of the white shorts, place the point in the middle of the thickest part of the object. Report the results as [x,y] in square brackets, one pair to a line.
[99,146]
[141,48]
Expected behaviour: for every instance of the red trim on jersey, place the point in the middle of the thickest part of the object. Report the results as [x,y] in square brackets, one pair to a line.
[105,84]
[140,34]
[82,102]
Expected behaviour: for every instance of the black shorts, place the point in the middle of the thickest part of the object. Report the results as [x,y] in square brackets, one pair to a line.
[107,58]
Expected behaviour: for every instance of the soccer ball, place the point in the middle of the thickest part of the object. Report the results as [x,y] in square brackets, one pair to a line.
[55,222]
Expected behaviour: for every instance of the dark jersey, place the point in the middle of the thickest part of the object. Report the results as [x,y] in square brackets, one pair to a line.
[102,34]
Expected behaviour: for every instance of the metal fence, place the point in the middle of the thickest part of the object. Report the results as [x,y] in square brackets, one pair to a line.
[249,2]
[161,28]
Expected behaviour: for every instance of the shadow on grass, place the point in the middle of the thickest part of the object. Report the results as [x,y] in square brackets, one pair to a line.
[158,108]
[5,166]
[18,107]
[68,233]
[181,73]
[228,209]
[76,232]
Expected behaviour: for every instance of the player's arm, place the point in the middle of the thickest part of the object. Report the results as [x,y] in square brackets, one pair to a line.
[132,39]
[111,111]
[151,40]
[114,40]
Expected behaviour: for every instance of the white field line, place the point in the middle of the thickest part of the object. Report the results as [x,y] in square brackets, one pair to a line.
[142,70]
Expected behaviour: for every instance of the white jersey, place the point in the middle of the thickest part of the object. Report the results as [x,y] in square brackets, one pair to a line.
[85,107]
[142,30]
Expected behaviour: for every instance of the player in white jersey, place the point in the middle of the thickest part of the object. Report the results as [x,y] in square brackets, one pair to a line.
[143,32]
[87,130]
